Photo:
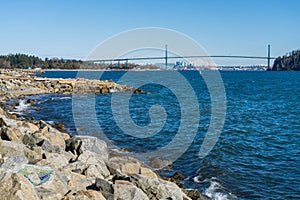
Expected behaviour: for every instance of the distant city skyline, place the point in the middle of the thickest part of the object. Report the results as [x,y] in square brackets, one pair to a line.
[74,28]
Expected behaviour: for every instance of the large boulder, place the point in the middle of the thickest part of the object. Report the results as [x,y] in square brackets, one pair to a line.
[148,172]
[48,183]
[158,189]
[13,163]
[5,121]
[11,134]
[126,165]
[16,186]
[10,148]
[54,160]
[77,181]
[25,181]
[95,145]
[29,127]
[95,166]
[128,192]
[57,138]
[104,187]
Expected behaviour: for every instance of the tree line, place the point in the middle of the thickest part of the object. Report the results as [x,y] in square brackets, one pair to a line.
[290,62]
[24,61]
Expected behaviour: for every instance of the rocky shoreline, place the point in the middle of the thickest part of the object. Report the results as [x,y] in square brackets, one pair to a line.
[39,161]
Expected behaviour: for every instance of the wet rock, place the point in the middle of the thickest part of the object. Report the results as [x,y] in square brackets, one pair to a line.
[159,163]
[156,188]
[196,195]
[60,127]
[138,91]
[31,101]
[128,192]
[176,178]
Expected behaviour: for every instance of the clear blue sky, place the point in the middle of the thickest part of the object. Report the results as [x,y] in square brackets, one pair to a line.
[71,28]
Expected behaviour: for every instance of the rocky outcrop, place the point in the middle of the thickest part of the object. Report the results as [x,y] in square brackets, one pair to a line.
[37,161]
[288,62]
[14,85]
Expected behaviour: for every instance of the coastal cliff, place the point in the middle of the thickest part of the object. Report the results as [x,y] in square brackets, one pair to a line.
[289,62]
[40,161]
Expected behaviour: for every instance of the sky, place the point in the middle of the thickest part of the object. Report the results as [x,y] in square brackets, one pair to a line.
[72,28]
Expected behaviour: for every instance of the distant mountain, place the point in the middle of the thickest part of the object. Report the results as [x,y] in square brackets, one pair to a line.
[290,62]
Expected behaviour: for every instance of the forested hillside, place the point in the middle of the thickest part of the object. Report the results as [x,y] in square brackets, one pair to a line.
[288,62]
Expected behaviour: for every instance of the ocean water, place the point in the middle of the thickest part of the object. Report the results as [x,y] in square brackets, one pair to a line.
[257,155]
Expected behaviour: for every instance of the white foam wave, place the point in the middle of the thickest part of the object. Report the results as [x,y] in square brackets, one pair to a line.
[216,191]
[60,98]
[22,106]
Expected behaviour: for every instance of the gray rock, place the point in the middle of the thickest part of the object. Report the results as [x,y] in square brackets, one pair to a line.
[95,165]
[159,163]
[47,146]
[73,145]
[104,187]
[25,181]
[128,192]
[126,165]
[13,163]
[55,160]
[10,148]
[33,154]
[77,181]
[31,140]
[11,134]
[156,188]
[95,145]
[17,187]
[5,121]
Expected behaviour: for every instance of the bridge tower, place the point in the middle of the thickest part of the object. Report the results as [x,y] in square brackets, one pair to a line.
[166,56]
[269,58]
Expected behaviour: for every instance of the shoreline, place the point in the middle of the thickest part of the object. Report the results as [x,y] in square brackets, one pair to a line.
[82,165]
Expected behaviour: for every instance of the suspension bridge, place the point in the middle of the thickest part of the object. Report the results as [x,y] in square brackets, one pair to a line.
[268,58]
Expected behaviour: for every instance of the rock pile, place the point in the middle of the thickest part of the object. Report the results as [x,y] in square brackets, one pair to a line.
[39,162]
[12,86]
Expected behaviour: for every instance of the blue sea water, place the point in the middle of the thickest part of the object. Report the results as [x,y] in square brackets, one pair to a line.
[257,155]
